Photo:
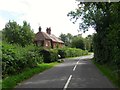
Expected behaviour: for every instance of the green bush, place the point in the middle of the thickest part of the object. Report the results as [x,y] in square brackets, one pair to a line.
[53,55]
[16,58]
[49,55]
[46,55]
[71,52]
[61,53]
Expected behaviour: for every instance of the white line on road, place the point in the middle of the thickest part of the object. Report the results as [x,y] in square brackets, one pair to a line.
[68,81]
[75,66]
[77,62]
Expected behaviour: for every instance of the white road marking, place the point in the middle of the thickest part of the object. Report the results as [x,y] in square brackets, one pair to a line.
[75,66]
[68,81]
[77,62]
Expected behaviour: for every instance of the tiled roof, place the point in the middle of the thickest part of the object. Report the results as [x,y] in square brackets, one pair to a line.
[43,36]
[56,39]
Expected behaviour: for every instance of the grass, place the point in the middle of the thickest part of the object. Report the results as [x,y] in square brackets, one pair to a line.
[0,84]
[108,71]
[11,81]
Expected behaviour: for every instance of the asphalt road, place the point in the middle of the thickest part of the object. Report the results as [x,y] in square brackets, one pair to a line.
[72,73]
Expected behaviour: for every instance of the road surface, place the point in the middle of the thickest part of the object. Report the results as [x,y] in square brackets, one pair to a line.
[77,72]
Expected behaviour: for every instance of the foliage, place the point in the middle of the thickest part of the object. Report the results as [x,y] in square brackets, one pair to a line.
[78,42]
[71,52]
[16,58]
[62,53]
[53,55]
[14,33]
[49,55]
[104,17]
[66,38]
[93,14]
[89,43]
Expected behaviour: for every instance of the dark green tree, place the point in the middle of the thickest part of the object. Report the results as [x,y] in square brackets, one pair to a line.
[78,42]
[14,33]
[89,43]
[63,37]
[11,32]
[27,34]
[104,17]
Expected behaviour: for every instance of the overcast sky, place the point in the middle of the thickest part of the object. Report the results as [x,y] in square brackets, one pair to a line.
[46,13]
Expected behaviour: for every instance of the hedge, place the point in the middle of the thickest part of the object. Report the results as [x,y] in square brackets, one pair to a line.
[71,52]
[50,55]
[16,58]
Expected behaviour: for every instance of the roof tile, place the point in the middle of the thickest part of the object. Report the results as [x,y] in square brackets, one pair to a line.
[43,36]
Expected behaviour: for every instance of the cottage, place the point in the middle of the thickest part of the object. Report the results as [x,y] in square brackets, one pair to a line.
[47,39]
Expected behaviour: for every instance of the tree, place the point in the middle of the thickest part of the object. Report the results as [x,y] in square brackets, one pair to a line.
[66,38]
[27,34]
[63,37]
[14,33]
[104,17]
[11,32]
[78,42]
[89,43]
[73,41]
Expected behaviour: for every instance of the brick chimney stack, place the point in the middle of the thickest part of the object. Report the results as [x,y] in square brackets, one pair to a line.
[40,28]
[48,30]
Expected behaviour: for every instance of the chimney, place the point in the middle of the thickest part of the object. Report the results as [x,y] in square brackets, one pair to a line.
[48,30]
[40,28]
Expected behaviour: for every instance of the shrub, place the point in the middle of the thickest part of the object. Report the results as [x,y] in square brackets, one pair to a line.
[71,52]
[61,53]
[16,58]
[53,55]
[46,55]
[49,55]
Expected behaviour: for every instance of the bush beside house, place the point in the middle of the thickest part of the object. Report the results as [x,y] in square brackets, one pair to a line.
[71,52]
[16,58]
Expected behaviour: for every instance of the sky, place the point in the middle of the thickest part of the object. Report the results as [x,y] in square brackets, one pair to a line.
[44,13]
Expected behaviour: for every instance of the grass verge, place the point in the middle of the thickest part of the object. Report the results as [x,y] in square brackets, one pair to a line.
[108,71]
[11,81]
[0,84]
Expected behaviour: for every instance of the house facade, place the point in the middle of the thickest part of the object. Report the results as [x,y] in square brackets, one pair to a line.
[47,40]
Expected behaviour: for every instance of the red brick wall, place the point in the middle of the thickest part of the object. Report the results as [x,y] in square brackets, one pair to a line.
[59,45]
[47,43]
